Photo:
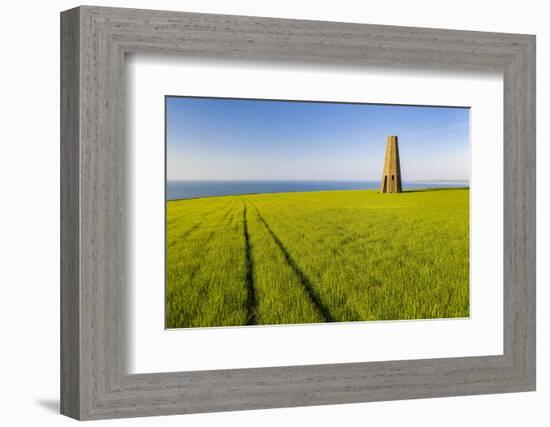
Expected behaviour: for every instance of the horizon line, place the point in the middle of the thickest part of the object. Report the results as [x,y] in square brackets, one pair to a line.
[313,180]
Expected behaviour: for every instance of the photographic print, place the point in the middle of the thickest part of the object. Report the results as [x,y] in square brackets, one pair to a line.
[296,212]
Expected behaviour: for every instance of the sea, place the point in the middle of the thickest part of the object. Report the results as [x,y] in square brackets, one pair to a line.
[176,190]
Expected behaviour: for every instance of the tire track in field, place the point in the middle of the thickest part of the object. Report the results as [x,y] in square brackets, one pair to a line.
[306,283]
[251,302]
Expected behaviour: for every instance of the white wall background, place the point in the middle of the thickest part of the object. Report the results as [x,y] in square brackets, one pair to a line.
[29,212]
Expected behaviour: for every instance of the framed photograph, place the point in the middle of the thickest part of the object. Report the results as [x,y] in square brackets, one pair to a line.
[262,213]
[276,214]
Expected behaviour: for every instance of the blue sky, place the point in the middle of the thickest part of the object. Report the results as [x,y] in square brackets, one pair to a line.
[226,139]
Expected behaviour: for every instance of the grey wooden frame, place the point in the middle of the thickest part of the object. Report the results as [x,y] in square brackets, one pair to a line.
[94,382]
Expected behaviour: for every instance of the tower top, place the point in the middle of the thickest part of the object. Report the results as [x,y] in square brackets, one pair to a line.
[391,175]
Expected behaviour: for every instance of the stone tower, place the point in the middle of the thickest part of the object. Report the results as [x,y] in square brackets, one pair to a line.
[391,177]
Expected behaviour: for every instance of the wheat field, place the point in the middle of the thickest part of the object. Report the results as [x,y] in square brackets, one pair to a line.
[311,257]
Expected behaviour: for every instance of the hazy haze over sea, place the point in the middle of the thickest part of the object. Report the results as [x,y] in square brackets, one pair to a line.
[193,189]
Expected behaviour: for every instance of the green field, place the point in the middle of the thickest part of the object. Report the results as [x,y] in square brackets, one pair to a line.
[333,256]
